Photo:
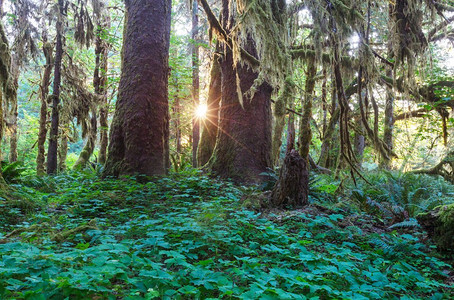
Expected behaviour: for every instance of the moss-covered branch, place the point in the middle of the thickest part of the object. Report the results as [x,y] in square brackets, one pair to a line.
[222,35]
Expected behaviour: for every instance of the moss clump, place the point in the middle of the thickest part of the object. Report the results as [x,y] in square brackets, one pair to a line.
[439,223]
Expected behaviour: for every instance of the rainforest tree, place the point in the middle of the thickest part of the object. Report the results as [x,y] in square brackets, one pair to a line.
[139,136]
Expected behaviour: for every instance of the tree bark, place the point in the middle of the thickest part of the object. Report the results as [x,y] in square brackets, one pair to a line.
[243,146]
[278,128]
[11,112]
[5,61]
[43,94]
[389,106]
[291,190]
[326,152]
[100,84]
[89,146]
[290,132]
[139,137]
[100,87]
[177,119]
[53,137]
[62,150]
[195,82]
[305,137]
[210,123]
[360,144]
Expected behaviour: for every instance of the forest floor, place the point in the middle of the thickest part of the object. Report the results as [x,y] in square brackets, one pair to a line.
[187,236]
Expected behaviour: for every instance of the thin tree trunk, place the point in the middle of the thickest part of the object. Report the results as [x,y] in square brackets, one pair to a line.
[359,141]
[53,137]
[324,102]
[139,137]
[177,118]
[12,111]
[90,144]
[329,134]
[210,123]
[63,150]
[278,128]
[305,136]
[195,82]
[389,106]
[44,92]
[100,83]
[100,87]
[290,132]
[1,130]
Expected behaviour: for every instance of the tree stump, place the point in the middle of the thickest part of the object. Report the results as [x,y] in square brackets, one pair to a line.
[292,187]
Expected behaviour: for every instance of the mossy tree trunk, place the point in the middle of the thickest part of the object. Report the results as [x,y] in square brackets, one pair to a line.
[278,128]
[359,140]
[291,132]
[292,187]
[1,130]
[100,87]
[5,61]
[177,119]
[100,84]
[90,144]
[43,95]
[12,109]
[139,137]
[327,154]
[243,146]
[52,151]
[63,149]
[389,106]
[305,136]
[210,123]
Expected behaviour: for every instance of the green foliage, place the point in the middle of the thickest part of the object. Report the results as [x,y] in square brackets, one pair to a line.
[186,236]
[12,171]
[393,193]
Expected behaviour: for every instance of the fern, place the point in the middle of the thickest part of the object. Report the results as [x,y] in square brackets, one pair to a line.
[405,224]
[13,171]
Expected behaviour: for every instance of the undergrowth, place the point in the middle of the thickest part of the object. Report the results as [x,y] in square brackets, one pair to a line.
[187,236]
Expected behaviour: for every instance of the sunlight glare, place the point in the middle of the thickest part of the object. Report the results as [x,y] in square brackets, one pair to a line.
[201,111]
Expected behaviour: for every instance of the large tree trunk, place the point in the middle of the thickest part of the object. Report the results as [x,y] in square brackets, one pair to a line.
[243,146]
[195,82]
[53,137]
[5,61]
[140,127]
[100,84]
[210,123]
[43,93]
